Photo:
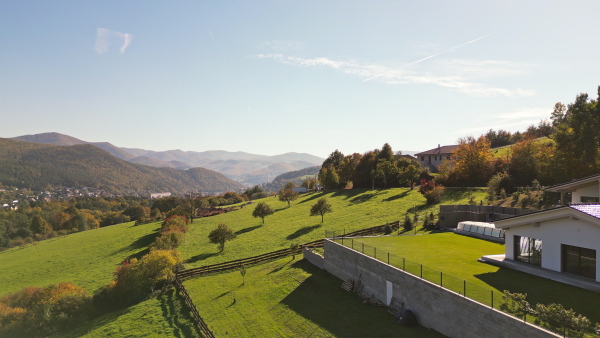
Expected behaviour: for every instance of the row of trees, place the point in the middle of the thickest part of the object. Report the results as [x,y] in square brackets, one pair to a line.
[380,168]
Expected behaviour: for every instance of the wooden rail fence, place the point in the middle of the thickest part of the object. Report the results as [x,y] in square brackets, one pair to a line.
[182,275]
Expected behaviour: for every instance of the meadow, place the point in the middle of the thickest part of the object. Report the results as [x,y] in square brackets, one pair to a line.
[290,298]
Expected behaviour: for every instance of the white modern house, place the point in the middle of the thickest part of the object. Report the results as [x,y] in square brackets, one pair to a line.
[565,238]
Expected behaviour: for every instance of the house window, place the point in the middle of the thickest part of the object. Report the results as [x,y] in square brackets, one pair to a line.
[580,261]
[435,158]
[588,199]
[528,250]
[422,158]
[447,157]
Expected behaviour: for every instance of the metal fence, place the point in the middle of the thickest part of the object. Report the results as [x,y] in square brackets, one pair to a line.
[483,295]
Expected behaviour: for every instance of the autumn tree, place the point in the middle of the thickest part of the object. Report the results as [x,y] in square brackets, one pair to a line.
[321,208]
[362,174]
[472,161]
[262,210]
[40,226]
[220,235]
[287,194]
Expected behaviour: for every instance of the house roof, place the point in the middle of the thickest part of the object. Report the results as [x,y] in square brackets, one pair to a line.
[585,211]
[439,150]
[575,184]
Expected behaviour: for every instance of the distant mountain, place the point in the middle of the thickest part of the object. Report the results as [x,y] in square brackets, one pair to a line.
[33,165]
[296,177]
[240,166]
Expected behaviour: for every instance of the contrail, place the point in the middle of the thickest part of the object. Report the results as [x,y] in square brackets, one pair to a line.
[434,55]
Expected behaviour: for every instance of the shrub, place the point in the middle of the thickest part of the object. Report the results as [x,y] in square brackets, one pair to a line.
[407,225]
[168,241]
[177,218]
[431,191]
[137,279]
[40,311]
[558,319]
[387,229]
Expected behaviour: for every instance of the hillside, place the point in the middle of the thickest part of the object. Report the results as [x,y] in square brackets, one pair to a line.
[33,165]
[240,166]
[503,152]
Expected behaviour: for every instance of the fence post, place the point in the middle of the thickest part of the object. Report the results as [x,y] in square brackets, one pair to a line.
[492,298]
[388,258]
[342,240]
[375,252]
[363,245]
[464,288]
[403,266]
[441,279]
[421,271]
[352,243]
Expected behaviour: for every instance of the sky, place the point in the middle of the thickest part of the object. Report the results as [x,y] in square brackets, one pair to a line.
[271,77]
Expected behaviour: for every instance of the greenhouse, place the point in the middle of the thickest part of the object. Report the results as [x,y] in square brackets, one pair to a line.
[480,228]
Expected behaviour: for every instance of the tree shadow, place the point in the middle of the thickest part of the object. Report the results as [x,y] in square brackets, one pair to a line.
[280,268]
[201,257]
[248,229]
[302,231]
[396,197]
[364,197]
[140,254]
[314,196]
[140,243]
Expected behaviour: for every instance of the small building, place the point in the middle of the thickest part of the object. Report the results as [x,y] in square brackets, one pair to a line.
[563,239]
[432,158]
[160,195]
[300,190]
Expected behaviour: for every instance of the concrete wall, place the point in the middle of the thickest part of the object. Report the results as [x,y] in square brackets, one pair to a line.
[555,232]
[313,257]
[444,311]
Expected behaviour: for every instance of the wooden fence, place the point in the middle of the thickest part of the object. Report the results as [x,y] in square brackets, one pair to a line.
[182,275]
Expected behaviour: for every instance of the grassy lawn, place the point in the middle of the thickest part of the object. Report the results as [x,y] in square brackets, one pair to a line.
[87,259]
[456,256]
[352,210]
[289,298]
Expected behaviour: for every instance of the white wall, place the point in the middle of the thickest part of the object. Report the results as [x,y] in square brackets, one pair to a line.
[553,233]
[593,191]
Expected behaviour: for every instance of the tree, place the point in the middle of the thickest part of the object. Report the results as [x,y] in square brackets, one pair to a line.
[321,208]
[220,235]
[309,184]
[347,168]
[362,173]
[329,177]
[294,246]
[409,175]
[386,153]
[385,171]
[262,210]
[40,226]
[472,161]
[287,195]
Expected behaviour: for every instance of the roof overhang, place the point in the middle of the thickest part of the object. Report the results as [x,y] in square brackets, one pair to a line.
[546,215]
[576,184]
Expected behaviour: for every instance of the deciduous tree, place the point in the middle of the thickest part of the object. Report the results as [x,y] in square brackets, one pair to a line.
[287,195]
[220,235]
[262,210]
[321,208]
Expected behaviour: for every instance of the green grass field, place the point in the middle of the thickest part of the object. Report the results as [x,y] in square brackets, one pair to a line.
[503,152]
[289,298]
[456,256]
[352,210]
[87,259]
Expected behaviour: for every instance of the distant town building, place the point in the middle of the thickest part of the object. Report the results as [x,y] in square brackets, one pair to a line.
[432,158]
[299,190]
[160,195]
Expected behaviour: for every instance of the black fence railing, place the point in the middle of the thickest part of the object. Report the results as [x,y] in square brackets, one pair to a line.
[486,296]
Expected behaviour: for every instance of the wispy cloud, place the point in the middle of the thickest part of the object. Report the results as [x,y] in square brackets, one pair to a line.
[281,46]
[105,38]
[211,34]
[398,75]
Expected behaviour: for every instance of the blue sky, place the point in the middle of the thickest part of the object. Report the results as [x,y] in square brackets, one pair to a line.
[270,77]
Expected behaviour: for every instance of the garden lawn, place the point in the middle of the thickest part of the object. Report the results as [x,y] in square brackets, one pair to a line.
[86,259]
[352,210]
[456,256]
[289,298]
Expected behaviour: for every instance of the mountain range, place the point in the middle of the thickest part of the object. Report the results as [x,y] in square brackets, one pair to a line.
[40,166]
[240,166]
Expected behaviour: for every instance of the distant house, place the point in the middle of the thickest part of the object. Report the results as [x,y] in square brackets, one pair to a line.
[160,195]
[299,190]
[565,238]
[432,158]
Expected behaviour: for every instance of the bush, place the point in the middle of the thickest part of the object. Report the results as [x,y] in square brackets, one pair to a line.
[168,241]
[387,229]
[136,279]
[40,311]
[432,192]
[407,225]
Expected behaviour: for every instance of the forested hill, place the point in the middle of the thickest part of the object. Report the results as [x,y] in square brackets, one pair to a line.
[35,166]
